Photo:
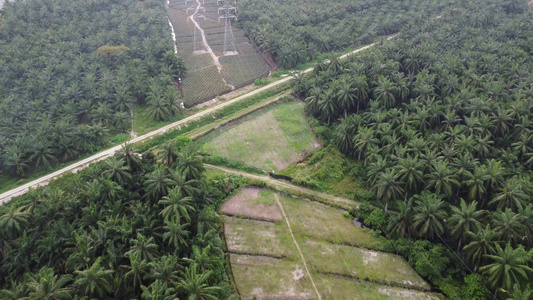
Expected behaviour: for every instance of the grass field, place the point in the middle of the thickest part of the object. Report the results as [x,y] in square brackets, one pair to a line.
[321,222]
[360,263]
[269,278]
[269,140]
[266,263]
[336,287]
[259,238]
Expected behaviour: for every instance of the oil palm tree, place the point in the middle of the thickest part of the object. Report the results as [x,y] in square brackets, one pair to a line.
[157,183]
[400,224]
[177,205]
[508,225]
[364,140]
[95,281]
[47,285]
[463,219]
[158,290]
[429,215]
[135,270]
[190,163]
[117,171]
[165,268]
[442,179]
[410,172]
[507,267]
[14,221]
[175,234]
[482,242]
[195,285]
[168,153]
[510,196]
[131,156]
[144,247]
[388,187]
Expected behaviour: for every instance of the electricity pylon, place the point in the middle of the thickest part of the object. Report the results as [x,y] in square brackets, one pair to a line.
[229,39]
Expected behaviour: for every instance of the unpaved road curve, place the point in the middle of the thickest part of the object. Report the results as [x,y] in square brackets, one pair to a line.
[5,197]
[344,203]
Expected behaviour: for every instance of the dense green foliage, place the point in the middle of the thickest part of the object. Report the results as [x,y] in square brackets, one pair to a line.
[297,31]
[125,228]
[441,118]
[70,71]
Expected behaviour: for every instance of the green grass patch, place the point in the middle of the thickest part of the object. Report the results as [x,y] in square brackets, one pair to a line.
[334,287]
[327,170]
[266,140]
[269,278]
[311,219]
[378,267]
[142,123]
[266,197]
[120,138]
[259,238]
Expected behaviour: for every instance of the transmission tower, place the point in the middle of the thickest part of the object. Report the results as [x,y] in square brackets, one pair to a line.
[229,39]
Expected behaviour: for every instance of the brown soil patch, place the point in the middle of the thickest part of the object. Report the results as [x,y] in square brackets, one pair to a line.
[243,205]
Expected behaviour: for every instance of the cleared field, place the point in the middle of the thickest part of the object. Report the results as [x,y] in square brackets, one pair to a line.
[253,203]
[271,141]
[266,263]
[270,278]
[318,221]
[258,238]
[361,264]
[335,287]
[203,80]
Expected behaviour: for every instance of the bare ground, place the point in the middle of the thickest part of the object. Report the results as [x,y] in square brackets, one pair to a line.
[243,204]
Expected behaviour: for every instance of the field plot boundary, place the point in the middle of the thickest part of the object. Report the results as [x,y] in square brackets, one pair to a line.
[297,246]
[333,201]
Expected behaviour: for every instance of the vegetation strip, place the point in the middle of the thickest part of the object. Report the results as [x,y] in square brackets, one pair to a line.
[317,196]
[366,280]
[297,246]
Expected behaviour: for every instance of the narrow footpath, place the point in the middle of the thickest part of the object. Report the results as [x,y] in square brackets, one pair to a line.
[297,246]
